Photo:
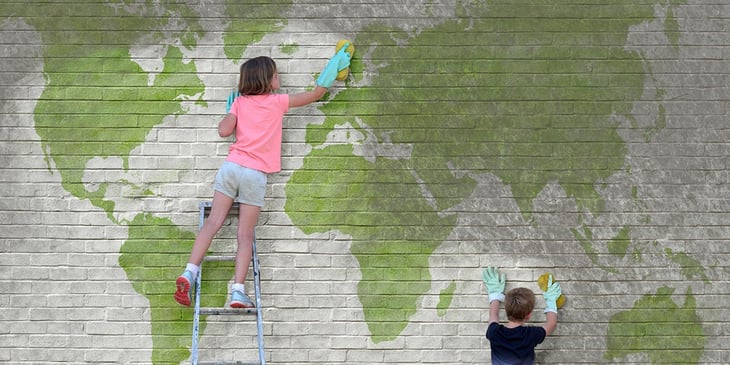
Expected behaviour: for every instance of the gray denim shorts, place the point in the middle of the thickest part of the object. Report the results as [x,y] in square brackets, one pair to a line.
[244,185]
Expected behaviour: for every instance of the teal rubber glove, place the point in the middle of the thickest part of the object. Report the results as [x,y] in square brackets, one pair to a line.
[551,296]
[494,280]
[231,98]
[338,62]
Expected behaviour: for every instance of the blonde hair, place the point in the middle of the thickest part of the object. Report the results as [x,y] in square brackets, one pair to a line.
[519,303]
[256,76]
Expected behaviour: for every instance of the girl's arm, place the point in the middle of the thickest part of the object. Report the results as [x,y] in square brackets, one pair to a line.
[306,97]
[227,125]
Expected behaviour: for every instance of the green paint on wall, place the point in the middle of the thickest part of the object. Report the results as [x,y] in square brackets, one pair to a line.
[643,218]
[392,244]
[671,26]
[152,257]
[659,328]
[585,239]
[524,90]
[445,298]
[289,49]
[619,245]
[691,268]
[249,21]
[527,98]
[97,101]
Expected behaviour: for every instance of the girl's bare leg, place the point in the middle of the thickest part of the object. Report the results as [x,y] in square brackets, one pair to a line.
[247,218]
[218,213]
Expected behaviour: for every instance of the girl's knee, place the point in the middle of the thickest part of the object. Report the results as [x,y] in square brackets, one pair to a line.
[214,223]
[245,242]
[244,237]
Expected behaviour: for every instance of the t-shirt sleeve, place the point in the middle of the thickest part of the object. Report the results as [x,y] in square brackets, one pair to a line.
[537,334]
[283,101]
[491,328]
[234,106]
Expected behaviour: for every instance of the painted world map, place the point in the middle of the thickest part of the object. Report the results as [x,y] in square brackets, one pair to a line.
[424,119]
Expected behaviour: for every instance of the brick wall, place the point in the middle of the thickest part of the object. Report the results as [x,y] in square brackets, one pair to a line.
[588,140]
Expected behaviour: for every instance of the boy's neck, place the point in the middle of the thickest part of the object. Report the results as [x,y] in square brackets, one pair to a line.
[514,324]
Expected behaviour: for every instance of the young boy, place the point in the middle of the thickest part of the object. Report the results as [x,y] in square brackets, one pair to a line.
[514,343]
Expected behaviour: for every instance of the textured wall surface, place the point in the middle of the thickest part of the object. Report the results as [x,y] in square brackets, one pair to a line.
[584,138]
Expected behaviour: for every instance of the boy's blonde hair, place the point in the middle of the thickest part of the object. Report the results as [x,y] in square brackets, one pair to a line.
[519,303]
[256,76]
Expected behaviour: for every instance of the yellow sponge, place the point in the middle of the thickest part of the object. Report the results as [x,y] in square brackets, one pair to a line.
[542,282]
[351,50]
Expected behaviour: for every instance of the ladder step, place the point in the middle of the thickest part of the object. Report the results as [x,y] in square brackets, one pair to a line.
[219,258]
[226,311]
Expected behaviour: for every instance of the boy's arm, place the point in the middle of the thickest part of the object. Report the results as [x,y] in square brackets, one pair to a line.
[551,296]
[494,281]
[551,322]
[494,311]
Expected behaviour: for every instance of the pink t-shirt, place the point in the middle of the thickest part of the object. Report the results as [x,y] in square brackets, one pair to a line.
[259,121]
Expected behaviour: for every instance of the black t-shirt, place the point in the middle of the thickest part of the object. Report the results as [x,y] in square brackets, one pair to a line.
[514,346]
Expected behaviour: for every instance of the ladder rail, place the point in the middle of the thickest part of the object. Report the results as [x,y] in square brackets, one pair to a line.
[259,318]
[196,319]
[196,312]
[206,206]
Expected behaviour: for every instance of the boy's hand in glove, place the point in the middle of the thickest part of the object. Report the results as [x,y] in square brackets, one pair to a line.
[494,281]
[551,296]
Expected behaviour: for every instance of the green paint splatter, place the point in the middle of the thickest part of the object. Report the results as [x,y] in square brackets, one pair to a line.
[445,298]
[657,327]
[524,90]
[691,268]
[619,245]
[152,257]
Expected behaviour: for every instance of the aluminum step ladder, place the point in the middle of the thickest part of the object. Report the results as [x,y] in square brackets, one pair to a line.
[205,208]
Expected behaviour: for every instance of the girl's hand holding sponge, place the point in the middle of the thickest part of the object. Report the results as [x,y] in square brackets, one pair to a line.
[338,66]
[346,46]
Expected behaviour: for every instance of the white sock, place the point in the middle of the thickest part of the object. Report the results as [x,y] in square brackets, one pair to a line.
[193,269]
[238,287]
